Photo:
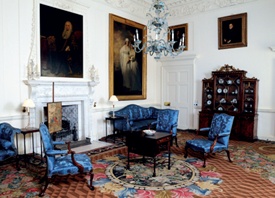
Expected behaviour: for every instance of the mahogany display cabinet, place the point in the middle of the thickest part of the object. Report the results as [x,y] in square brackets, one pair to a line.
[230,91]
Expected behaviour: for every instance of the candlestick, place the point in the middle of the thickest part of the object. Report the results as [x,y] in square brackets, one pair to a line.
[172,35]
[137,34]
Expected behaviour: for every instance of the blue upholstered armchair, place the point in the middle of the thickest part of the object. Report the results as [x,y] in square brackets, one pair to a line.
[63,162]
[218,137]
[167,121]
[7,146]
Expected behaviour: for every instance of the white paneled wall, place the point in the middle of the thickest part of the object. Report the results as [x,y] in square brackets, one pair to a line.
[17,28]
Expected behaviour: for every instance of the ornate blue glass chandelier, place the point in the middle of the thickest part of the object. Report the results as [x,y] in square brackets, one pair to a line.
[163,43]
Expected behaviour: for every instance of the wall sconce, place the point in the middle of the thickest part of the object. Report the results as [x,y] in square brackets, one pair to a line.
[113,99]
[27,104]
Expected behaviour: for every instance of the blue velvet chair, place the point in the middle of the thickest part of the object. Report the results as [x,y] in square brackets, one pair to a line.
[167,121]
[218,137]
[7,146]
[63,162]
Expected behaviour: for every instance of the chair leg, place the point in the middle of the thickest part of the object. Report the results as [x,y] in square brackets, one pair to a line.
[171,142]
[17,163]
[43,178]
[186,152]
[176,141]
[91,180]
[204,159]
[41,194]
[228,155]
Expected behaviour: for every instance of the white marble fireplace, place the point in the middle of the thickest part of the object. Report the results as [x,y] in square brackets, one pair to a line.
[79,93]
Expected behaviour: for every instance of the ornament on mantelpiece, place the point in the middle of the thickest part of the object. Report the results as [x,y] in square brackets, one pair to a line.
[94,74]
[33,72]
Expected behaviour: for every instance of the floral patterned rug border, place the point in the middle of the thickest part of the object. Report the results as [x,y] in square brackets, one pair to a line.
[201,182]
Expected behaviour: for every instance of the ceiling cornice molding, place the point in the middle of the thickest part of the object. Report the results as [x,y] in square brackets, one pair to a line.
[133,7]
[200,6]
[177,8]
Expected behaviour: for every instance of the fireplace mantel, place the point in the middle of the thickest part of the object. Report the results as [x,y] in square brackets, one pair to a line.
[54,90]
[68,92]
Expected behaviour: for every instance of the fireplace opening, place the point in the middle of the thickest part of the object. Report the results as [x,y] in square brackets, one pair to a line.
[69,131]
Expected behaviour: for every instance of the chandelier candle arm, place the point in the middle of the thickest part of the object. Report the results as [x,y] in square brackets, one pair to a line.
[172,35]
[137,34]
[161,43]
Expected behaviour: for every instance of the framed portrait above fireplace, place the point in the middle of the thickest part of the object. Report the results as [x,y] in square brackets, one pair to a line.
[61,43]
[127,69]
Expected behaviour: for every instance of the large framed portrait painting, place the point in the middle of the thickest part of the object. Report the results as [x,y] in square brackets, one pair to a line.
[232,31]
[61,43]
[127,69]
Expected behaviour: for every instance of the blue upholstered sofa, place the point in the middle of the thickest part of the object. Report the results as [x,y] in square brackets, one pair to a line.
[139,118]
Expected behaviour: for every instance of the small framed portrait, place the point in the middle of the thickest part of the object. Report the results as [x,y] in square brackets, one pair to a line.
[232,31]
[180,31]
[127,68]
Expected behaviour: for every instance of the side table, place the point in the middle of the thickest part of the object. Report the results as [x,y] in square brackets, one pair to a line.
[31,130]
[112,120]
[148,145]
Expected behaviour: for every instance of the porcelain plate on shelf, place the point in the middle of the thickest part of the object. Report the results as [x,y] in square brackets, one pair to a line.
[234,100]
[149,132]
[220,109]
[225,90]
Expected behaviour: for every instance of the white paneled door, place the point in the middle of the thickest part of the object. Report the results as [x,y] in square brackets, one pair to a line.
[177,88]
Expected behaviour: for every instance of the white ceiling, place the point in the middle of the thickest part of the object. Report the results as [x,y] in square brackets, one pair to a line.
[176,7]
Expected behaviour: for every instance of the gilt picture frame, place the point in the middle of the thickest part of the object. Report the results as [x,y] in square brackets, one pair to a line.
[127,69]
[54,116]
[61,43]
[232,31]
[178,31]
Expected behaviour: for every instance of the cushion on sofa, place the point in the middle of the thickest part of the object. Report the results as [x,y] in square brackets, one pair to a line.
[154,112]
[141,124]
[5,144]
[139,118]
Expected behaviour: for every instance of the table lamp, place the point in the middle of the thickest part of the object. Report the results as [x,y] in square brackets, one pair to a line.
[27,104]
[113,99]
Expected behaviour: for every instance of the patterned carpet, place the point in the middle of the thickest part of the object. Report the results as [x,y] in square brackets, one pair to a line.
[252,174]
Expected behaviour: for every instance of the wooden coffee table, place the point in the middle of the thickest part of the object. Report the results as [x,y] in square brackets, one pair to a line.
[149,146]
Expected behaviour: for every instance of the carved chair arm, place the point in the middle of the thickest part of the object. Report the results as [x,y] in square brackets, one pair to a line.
[56,152]
[223,134]
[205,129]
[69,147]
[214,144]
[58,143]
[79,166]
